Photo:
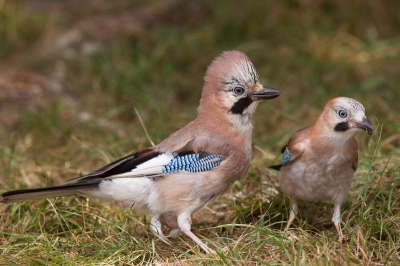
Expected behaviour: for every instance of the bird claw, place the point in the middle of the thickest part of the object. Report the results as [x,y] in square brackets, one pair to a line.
[175,232]
[206,249]
[166,240]
[340,232]
[291,236]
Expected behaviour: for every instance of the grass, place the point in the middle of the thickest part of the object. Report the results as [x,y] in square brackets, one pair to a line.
[71,77]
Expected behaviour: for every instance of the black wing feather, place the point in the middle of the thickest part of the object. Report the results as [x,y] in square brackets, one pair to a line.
[284,148]
[278,166]
[120,166]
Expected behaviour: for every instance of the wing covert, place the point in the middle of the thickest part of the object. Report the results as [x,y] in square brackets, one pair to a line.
[155,164]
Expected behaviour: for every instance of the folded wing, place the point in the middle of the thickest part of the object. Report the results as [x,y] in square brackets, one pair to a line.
[144,164]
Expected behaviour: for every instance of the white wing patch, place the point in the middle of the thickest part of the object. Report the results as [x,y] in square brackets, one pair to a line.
[151,167]
[173,163]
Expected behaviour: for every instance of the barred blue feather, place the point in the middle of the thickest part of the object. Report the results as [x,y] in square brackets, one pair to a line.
[192,163]
[286,156]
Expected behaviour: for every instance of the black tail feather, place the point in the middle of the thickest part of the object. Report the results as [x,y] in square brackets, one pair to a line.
[47,192]
[276,167]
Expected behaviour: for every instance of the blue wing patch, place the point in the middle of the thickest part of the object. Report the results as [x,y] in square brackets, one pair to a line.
[286,156]
[192,163]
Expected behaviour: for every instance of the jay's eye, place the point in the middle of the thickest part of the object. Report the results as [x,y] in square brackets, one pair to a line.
[238,90]
[342,113]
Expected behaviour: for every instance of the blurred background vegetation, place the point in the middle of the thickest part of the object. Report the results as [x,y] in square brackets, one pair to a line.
[73,72]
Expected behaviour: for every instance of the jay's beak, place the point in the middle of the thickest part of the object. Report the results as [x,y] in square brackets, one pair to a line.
[364,125]
[267,93]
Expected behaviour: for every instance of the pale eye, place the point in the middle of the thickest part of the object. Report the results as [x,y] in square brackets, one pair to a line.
[238,90]
[342,113]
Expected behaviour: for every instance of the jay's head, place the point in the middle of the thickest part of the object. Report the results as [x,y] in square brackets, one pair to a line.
[346,116]
[231,84]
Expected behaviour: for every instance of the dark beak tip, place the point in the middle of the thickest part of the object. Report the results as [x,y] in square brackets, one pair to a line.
[268,93]
[369,129]
[368,126]
[273,96]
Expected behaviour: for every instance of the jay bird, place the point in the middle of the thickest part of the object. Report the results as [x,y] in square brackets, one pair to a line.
[319,161]
[191,167]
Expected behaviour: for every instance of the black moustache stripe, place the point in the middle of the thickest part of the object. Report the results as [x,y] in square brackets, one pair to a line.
[241,105]
[343,126]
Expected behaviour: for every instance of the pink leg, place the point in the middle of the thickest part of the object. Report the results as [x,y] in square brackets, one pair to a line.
[155,226]
[184,223]
[292,214]
[336,220]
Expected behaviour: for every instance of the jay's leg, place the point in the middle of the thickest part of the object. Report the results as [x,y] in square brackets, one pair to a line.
[185,223]
[155,226]
[294,210]
[175,232]
[336,219]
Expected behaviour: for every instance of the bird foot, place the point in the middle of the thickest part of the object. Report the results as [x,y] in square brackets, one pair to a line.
[291,236]
[339,231]
[166,240]
[207,249]
[197,240]
[175,232]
